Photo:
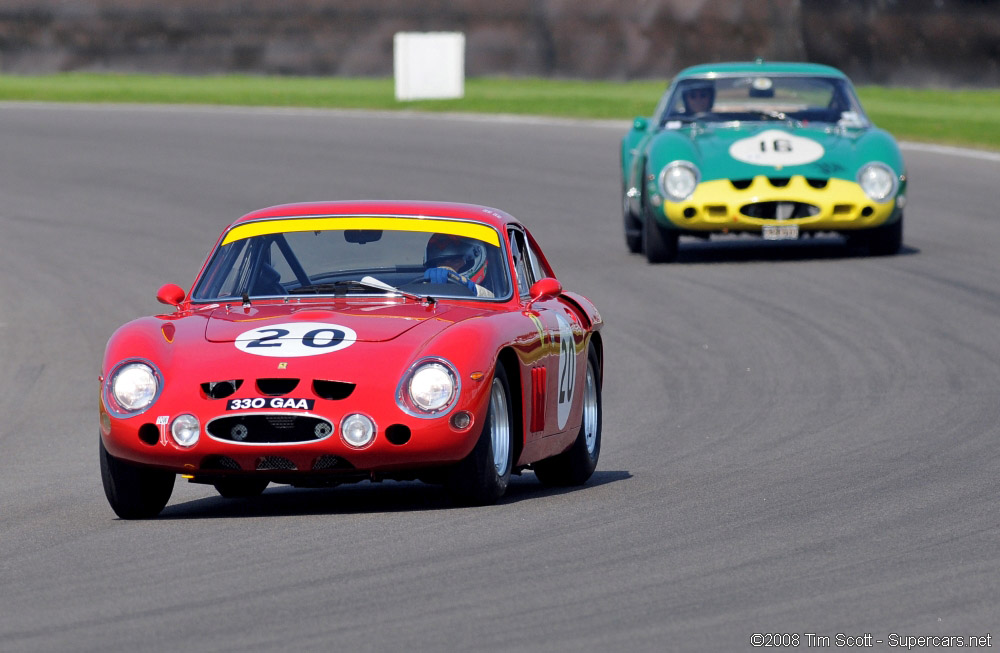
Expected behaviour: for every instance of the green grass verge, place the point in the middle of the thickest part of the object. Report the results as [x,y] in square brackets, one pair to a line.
[969,118]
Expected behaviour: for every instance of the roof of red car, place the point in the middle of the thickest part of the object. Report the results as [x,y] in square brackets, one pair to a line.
[493,217]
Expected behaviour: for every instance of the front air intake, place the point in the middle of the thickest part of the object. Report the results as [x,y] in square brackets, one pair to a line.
[221,389]
[276,387]
[332,389]
[265,463]
[269,428]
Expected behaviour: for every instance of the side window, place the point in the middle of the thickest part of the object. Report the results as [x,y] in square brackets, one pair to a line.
[522,266]
[536,268]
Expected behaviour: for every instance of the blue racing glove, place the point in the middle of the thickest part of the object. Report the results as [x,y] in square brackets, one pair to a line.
[443,275]
[436,275]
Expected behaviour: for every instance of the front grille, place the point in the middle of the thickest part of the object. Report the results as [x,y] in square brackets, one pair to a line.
[327,461]
[778,210]
[269,428]
[219,462]
[274,462]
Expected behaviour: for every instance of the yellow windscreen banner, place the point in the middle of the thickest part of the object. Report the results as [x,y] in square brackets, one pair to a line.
[427,225]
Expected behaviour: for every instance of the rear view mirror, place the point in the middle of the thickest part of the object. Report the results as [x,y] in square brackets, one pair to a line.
[362,236]
[546,288]
[170,294]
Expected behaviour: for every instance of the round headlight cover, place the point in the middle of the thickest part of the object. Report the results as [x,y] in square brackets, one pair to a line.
[878,181]
[357,430]
[429,388]
[185,429]
[678,180]
[134,386]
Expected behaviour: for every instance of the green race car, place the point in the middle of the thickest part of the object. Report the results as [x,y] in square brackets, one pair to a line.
[778,150]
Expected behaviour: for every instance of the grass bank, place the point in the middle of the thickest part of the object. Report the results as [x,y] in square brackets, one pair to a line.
[969,118]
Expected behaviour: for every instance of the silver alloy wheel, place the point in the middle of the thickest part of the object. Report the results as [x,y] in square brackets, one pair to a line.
[499,427]
[590,410]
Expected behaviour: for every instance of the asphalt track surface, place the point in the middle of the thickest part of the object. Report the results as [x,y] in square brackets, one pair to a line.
[797,439]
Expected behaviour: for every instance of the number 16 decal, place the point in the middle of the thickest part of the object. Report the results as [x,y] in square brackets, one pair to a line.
[295,339]
[773,147]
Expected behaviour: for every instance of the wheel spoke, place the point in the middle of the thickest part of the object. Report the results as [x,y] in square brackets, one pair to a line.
[499,427]
[590,411]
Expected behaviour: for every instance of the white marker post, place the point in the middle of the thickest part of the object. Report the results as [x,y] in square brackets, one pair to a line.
[429,65]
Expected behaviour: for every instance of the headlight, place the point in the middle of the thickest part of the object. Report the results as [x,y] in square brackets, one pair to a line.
[357,430]
[132,388]
[430,388]
[678,180]
[185,429]
[878,181]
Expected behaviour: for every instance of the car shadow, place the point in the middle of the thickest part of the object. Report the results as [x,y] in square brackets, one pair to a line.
[366,497]
[751,250]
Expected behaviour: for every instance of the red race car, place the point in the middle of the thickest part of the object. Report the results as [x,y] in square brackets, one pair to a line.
[334,342]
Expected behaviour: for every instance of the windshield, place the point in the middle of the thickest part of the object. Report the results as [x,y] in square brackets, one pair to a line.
[340,256]
[803,98]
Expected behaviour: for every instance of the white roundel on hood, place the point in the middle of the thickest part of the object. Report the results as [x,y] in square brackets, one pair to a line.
[774,147]
[294,339]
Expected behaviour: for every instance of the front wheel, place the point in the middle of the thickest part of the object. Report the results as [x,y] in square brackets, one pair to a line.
[886,241]
[575,465]
[134,492]
[880,241]
[660,244]
[633,228]
[481,477]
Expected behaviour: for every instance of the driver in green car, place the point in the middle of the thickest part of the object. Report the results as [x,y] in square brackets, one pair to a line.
[456,259]
[699,98]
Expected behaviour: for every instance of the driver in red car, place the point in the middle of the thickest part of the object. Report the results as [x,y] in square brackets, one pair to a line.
[456,259]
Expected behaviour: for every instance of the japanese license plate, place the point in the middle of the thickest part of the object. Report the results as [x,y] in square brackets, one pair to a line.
[781,231]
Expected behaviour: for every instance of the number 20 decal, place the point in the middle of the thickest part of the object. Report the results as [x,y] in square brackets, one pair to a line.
[567,371]
[294,339]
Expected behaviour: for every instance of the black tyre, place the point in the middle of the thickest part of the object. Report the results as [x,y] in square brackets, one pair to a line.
[134,491]
[241,488]
[659,244]
[481,478]
[575,465]
[887,240]
[633,227]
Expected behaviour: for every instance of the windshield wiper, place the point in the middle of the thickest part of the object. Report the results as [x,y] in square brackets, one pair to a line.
[366,283]
[778,115]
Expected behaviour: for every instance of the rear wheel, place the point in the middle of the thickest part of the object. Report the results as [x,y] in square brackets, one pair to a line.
[241,488]
[660,244]
[575,465]
[134,491]
[481,477]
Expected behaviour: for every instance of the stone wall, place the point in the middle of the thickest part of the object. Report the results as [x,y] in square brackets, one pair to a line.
[934,42]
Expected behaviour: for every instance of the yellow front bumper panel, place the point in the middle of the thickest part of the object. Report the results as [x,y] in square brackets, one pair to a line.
[835,204]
